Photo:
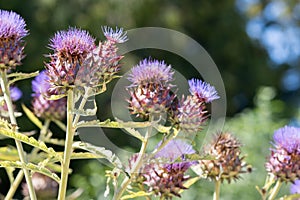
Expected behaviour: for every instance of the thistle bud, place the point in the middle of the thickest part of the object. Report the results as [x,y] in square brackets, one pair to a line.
[203,91]
[165,174]
[42,106]
[150,90]
[102,63]
[228,163]
[12,31]
[284,161]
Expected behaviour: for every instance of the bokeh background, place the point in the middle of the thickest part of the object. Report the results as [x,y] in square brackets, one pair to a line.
[254,43]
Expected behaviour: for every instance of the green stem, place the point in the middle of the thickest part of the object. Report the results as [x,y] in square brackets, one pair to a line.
[275,190]
[68,146]
[12,190]
[217,189]
[136,166]
[13,121]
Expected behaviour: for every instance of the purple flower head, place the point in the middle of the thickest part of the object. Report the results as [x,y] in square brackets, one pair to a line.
[43,107]
[12,26]
[12,30]
[295,187]
[41,85]
[72,42]
[116,36]
[288,138]
[202,90]
[151,71]
[15,93]
[175,149]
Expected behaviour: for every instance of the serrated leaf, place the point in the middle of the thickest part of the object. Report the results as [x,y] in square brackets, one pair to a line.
[32,117]
[136,194]
[101,152]
[30,166]
[55,141]
[21,76]
[28,140]
[113,124]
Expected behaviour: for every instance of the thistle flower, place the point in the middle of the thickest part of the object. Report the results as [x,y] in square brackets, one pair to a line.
[43,107]
[284,161]
[102,63]
[203,91]
[164,175]
[228,163]
[45,187]
[191,115]
[295,187]
[70,49]
[150,90]
[15,94]
[12,31]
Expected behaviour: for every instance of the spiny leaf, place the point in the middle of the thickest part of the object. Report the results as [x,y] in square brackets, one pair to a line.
[32,117]
[101,152]
[113,124]
[28,140]
[21,76]
[30,166]
[136,194]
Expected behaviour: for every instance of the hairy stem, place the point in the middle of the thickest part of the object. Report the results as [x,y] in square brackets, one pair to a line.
[13,121]
[68,146]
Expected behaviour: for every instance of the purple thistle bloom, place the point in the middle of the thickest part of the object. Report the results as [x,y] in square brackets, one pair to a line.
[117,36]
[295,187]
[284,161]
[12,31]
[151,71]
[15,93]
[288,138]
[174,150]
[70,49]
[203,91]
[42,107]
[73,42]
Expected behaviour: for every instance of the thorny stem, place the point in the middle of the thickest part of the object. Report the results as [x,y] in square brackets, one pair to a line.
[19,177]
[68,146]
[217,189]
[275,190]
[13,121]
[137,165]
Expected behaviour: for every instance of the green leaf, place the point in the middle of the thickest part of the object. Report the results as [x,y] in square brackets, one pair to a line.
[9,153]
[20,76]
[32,117]
[136,194]
[28,140]
[56,97]
[101,152]
[30,166]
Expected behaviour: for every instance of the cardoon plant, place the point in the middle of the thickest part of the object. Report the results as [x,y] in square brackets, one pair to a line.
[12,31]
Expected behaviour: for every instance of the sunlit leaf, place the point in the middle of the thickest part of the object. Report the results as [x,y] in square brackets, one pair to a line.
[56,97]
[20,76]
[28,140]
[9,153]
[136,194]
[32,117]
[30,166]
[101,152]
